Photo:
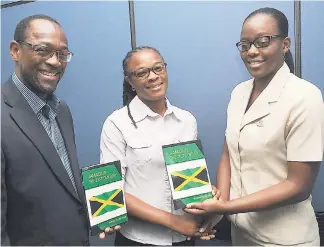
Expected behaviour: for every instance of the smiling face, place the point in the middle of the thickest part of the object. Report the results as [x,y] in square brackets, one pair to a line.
[152,88]
[263,63]
[39,74]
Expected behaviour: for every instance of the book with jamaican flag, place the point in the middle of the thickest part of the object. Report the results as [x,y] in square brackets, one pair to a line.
[187,171]
[103,186]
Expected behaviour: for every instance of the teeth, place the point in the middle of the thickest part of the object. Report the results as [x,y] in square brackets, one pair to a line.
[47,73]
[156,87]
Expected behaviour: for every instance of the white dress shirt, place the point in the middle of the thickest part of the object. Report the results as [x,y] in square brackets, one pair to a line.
[143,167]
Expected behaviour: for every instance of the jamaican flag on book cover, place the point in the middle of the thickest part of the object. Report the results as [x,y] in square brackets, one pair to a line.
[103,186]
[187,171]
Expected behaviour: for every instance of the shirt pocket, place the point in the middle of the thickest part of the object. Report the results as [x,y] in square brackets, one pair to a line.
[139,152]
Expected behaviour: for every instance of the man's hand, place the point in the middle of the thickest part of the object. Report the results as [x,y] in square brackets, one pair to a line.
[109,231]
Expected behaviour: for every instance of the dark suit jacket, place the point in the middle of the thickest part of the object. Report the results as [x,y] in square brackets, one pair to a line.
[39,204]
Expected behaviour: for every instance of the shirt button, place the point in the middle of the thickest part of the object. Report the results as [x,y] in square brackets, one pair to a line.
[86,242]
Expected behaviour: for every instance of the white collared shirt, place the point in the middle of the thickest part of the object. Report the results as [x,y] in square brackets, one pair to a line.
[143,167]
[285,123]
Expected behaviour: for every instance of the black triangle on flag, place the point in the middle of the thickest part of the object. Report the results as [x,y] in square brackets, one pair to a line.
[94,206]
[203,175]
[119,198]
[177,181]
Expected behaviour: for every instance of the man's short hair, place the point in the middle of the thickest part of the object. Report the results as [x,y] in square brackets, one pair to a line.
[22,26]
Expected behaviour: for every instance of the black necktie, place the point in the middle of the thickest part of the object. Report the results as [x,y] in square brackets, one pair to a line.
[45,111]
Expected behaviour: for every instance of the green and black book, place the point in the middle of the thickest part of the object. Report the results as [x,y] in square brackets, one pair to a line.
[103,186]
[187,171]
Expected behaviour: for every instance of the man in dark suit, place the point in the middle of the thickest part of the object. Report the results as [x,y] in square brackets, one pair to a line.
[42,200]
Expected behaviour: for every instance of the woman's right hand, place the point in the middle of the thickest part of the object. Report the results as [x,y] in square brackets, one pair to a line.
[185,225]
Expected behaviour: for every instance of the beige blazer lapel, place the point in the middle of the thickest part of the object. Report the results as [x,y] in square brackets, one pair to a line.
[243,102]
[261,107]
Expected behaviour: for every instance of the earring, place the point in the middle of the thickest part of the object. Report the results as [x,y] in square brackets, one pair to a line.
[133,89]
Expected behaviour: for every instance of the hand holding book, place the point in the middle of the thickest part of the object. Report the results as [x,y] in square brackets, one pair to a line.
[216,206]
[187,172]
[109,231]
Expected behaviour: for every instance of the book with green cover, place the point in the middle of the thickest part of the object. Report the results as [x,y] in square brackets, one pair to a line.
[187,171]
[103,186]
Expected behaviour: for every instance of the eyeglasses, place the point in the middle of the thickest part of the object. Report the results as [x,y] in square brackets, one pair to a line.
[45,52]
[143,73]
[260,42]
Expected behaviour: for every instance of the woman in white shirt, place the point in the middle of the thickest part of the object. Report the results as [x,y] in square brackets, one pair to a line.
[274,143]
[134,135]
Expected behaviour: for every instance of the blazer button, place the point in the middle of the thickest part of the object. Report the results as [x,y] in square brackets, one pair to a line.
[81,211]
[86,242]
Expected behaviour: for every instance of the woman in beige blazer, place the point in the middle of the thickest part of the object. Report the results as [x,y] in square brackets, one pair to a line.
[274,143]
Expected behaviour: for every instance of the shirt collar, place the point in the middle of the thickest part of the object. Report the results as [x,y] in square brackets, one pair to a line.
[140,111]
[33,100]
